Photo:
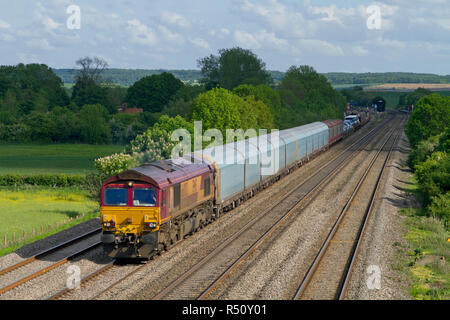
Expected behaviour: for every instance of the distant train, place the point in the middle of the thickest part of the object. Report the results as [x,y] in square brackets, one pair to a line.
[380,105]
[149,208]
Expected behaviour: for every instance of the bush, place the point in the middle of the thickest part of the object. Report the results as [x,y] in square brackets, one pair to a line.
[431,116]
[114,164]
[433,176]
[424,149]
[440,207]
[94,124]
[59,180]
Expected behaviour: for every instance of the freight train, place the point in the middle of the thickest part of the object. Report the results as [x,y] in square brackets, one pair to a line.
[147,209]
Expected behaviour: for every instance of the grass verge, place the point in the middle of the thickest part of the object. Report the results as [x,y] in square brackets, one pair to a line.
[428,254]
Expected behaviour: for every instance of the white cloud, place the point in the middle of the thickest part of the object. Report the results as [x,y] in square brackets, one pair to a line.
[42,44]
[246,39]
[140,33]
[172,38]
[200,43]
[49,24]
[6,37]
[280,18]
[4,25]
[360,51]
[261,39]
[28,58]
[176,19]
[321,47]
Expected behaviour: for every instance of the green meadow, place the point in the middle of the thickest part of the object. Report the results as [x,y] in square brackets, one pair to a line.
[28,159]
[29,208]
[36,208]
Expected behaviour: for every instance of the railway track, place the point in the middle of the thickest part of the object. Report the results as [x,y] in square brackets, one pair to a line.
[42,255]
[329,274]
[303,191]
[215,267]
[103,272]
[84,281]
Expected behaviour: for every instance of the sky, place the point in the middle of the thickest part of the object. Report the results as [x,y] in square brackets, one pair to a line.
[331,36]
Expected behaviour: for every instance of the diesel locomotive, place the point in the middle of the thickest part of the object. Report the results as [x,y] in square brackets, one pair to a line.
[147,209]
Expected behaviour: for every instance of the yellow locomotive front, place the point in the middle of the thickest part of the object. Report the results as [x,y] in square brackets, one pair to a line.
[130,219]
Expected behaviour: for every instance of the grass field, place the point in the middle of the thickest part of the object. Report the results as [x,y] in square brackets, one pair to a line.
[52,159]
[29,208]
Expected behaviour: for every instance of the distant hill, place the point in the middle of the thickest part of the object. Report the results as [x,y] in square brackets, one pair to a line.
[126,77]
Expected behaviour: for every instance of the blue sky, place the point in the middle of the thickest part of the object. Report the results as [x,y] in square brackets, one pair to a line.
[413,36]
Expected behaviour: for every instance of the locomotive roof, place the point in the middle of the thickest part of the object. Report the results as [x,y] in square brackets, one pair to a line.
[162,173]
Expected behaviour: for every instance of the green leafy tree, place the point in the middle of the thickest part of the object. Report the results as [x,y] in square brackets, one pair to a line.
[433,176]
[154,92]
[94,124]
[218,109]
[308,97]
[270,97]
[422,151]
[430,117]
[409,99]
[32,87]
[88,89]
[40,125]
[358,96]
[64,125]
[233,67]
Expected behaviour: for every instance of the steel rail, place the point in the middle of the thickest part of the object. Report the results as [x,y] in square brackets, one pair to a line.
[360,142]
[83,281]
[311,271]
[260,240]
[361,233]
[47,269]
[49,251]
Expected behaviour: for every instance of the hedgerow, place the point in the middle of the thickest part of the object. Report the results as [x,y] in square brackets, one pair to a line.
[50,180]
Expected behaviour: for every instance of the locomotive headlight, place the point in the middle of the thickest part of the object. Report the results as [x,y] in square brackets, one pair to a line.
[109,224]
[150,225]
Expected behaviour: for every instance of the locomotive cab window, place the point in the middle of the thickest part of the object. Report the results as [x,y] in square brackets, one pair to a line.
[144,197]
[116,197]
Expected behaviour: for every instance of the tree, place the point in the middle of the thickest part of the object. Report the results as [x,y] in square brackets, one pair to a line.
[358,96]
[154,92]
[270,97]
[409,99]
[309,97]
[32,87]
[431,116]
[88,89]
[64,125]
[91,69]
[156,143]
[218,109]
[94,124]
[233,67]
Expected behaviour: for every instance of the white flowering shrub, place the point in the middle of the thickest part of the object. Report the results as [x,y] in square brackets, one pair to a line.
[154,144]
[115,163]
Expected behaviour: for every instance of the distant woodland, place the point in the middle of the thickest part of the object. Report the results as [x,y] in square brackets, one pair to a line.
[127,77]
